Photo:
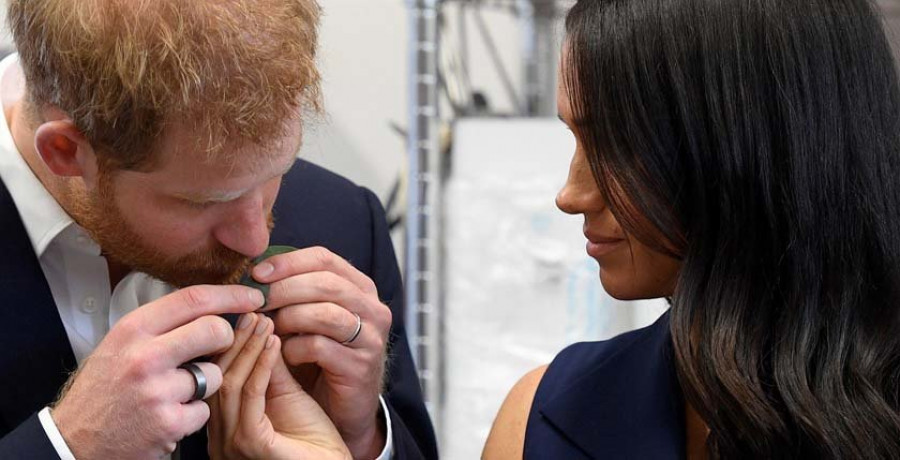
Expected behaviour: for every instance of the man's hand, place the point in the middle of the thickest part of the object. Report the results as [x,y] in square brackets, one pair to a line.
[316,296]
[130,399]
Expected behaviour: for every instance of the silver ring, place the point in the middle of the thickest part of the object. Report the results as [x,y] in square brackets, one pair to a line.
[199,380]
[355,333]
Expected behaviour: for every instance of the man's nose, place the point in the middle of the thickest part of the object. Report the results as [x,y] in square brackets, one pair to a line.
[246,228]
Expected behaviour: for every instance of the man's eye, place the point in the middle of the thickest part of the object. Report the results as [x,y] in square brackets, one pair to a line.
[199,204]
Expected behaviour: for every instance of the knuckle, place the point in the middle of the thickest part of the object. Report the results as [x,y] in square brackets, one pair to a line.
[239,295]
[323,257]
[220,331]
[292,357]
[147,394]
[169,422]
[288,353]
[383,316]
[253,390]
[380,344]
[229,387]
[328,316]
[125,326]
[281,317]
[330,284]
[316,346]
[204,411]
[284,322]
[294,351]
[369,287]
[278,291]
[196,297]
[342,319]
[141,364]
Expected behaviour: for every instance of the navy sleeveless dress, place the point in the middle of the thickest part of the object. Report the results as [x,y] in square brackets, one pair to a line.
[616,399]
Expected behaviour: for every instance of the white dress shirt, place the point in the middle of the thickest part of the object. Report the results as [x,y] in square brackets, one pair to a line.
[76,271]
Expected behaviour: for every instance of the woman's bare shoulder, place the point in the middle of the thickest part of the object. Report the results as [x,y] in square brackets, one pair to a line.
[507,438]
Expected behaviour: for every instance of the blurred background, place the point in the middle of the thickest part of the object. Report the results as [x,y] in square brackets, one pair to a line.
[446,110]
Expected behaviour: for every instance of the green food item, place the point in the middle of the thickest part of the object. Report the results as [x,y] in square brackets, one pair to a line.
[247,279]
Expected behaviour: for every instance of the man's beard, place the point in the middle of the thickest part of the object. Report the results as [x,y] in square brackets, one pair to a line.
[103,221]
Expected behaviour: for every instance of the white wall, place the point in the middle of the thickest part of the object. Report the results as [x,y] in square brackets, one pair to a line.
[363,57]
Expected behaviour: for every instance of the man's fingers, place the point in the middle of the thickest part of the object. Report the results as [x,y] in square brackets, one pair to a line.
[331,356]
[326,319]
[186,305]
[195,414]
[185,385]
[311,260]
[316,287]
[205,336]
[180,421]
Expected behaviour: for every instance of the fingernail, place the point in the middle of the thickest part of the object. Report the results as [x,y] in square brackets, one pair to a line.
[257,297]
[262,270]
[270,341]
[261,326]
[245,321]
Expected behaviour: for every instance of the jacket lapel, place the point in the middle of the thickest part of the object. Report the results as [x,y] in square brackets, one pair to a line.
[35,355]
[630,403]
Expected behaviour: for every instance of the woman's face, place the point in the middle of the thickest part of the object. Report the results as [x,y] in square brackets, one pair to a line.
[628,269]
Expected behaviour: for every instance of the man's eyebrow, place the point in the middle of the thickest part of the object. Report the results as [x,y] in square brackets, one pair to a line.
[217,196]
[222,196]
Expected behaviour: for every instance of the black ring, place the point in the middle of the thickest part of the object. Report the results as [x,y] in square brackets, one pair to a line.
[199,380]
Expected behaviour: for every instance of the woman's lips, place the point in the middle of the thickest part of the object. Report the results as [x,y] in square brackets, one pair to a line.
[600,246]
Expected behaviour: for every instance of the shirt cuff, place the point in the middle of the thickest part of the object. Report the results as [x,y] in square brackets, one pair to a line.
[388,452]
[56,438]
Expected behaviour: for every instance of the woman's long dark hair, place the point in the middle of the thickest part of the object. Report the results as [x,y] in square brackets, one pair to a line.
[761,138]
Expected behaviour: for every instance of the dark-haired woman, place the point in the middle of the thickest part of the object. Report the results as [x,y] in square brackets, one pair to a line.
[741,158]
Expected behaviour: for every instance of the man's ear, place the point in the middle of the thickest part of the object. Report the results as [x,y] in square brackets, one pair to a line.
[64,149]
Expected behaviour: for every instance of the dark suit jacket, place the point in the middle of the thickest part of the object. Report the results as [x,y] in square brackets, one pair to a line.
[314,208]
[617,399]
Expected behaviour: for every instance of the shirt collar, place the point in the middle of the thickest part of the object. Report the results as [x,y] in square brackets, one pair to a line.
[43,217]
